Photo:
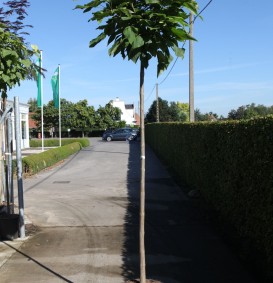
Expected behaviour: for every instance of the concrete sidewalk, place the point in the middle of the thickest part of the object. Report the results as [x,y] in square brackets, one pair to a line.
[87,214]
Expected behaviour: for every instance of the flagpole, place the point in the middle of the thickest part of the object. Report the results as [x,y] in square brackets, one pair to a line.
[42,102]
[60,125]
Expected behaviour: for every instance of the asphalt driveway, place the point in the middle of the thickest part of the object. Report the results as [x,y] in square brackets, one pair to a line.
[86,214]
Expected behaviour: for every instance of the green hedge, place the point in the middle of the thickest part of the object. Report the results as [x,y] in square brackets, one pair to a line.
[36,162]
[232,165]
[55,142]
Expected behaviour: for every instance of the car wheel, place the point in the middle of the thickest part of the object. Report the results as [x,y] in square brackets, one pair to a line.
[108,138]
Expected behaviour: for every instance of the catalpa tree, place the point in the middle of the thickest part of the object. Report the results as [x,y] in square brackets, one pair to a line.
[140,30]
[15,53]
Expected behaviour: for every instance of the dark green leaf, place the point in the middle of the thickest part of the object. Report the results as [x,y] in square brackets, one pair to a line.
[96,40]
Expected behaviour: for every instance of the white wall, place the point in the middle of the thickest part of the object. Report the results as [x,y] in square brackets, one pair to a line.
[128,115]
[24,126]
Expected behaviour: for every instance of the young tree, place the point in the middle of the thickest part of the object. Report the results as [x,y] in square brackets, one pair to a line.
[16,64]
[15,54]
[140,30]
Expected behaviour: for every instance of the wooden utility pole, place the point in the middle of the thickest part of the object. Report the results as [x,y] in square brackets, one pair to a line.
[191,75]
[157,104]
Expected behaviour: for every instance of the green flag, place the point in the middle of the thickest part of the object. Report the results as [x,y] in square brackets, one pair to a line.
[55,87]
[39,83]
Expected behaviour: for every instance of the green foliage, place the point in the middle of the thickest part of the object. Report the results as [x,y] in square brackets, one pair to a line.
[15,61]
[184,111]
[108,117]
[250,111]
[140,30]
[84,116]
[55,142]
[78,116]
[15,55]
[34,163]
[232,165]
[168,112]
[205,117]
[32,102]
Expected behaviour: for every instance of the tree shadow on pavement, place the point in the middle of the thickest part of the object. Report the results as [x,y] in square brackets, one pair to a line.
[179,245]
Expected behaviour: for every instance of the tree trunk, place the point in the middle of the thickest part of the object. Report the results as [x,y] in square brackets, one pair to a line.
[142,180]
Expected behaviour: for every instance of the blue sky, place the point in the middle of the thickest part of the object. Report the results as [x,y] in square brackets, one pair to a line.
[233,58]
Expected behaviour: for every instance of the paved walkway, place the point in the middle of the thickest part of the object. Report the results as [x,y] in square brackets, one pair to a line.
[86,212]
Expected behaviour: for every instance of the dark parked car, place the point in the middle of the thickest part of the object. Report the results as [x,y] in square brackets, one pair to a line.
[120,134]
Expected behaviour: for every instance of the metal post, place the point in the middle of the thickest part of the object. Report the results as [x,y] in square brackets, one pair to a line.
[59,92]
[19,167]
[10,168]
[42,102]
[157,104]
[8,165]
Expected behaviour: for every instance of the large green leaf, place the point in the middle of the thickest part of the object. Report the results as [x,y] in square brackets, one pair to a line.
[8,52]
[179,52]
[27,63]
[129,34]
[138,42]
[115,48]
[96,40]
[182,34]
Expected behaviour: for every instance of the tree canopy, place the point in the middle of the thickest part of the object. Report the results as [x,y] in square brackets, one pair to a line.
[168,112]
[250,111]
[140,30]
[77,116]
[15,54]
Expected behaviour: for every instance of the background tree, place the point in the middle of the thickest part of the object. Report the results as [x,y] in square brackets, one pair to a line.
[176,113]
[83,116]
[205,117]
[163,109]
[77,116]
[32,102]
[140,30]
[108,117]
[168,112]
[250,111]
[50,116]
[184,111]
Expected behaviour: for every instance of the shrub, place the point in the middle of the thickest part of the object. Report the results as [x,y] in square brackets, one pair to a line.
[55,142]
[232,165]
[36,162]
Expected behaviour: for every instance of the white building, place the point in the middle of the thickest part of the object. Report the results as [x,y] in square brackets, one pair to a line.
[128,111]
[24,126]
